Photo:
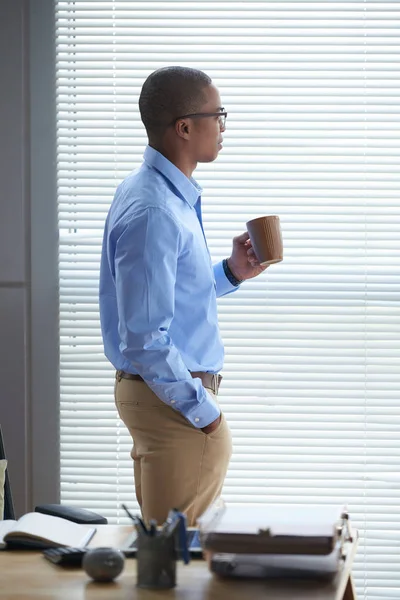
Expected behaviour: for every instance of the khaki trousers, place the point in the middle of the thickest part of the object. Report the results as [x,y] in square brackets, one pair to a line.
[175,464]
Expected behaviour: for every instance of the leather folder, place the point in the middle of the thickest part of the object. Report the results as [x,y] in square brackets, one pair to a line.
[270,529]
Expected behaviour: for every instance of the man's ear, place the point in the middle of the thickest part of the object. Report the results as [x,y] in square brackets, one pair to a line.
[182,128]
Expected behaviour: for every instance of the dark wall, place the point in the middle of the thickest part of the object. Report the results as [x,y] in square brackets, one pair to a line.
[28,251]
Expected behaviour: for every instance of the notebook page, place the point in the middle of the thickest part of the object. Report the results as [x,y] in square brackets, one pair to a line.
[55,529]
[5,527]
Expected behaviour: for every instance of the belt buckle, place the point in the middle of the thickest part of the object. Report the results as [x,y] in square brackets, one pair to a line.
[215,383]
[218,379]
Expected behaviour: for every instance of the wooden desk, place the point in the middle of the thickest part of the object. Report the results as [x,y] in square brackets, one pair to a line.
[28,575]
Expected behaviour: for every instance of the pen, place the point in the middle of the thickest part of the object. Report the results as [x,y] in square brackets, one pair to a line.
[153,527]
[183,542]
[170,518]
[176,520]
[171,523]
[139,523]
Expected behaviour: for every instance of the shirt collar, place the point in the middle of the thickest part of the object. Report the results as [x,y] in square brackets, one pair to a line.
[189,189]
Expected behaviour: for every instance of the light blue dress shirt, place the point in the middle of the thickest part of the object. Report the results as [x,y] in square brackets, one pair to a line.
[158,287]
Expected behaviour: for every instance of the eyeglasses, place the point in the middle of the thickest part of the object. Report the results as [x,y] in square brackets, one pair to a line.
[221,114]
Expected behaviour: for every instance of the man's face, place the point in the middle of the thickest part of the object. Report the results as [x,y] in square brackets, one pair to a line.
[206,138]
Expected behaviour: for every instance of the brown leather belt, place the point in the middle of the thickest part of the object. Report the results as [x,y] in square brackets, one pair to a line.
[209,380]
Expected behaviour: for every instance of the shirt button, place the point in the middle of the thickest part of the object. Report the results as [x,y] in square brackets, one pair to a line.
[196,420]
[172,401]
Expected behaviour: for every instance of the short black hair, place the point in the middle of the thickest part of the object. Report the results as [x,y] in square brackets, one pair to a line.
[169,93]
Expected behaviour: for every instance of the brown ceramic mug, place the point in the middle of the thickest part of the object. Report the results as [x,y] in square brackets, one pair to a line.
[266,239]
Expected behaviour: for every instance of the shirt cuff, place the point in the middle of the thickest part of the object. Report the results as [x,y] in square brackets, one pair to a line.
[224,286]
[204,414]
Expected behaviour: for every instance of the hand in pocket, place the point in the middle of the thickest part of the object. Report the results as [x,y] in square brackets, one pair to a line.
[212,426]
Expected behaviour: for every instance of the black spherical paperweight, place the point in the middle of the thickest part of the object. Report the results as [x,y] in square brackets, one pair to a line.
[103,564]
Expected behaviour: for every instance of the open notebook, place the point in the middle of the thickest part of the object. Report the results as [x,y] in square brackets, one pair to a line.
[36,530]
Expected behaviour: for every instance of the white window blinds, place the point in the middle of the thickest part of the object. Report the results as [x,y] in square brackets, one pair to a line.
[311,379]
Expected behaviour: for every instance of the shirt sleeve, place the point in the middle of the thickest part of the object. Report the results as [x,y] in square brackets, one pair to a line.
[146,258]
[223,285]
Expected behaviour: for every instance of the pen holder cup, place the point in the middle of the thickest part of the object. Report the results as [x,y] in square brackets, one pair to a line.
[156,562]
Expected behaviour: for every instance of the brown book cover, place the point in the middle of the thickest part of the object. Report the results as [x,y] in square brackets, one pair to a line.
[271,529]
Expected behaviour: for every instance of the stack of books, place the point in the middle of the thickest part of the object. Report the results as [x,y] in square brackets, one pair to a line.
[275,540]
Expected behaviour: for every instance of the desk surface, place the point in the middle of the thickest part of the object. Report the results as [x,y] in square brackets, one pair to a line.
[28,575]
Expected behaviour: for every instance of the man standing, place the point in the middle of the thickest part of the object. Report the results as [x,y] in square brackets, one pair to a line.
[158,291]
